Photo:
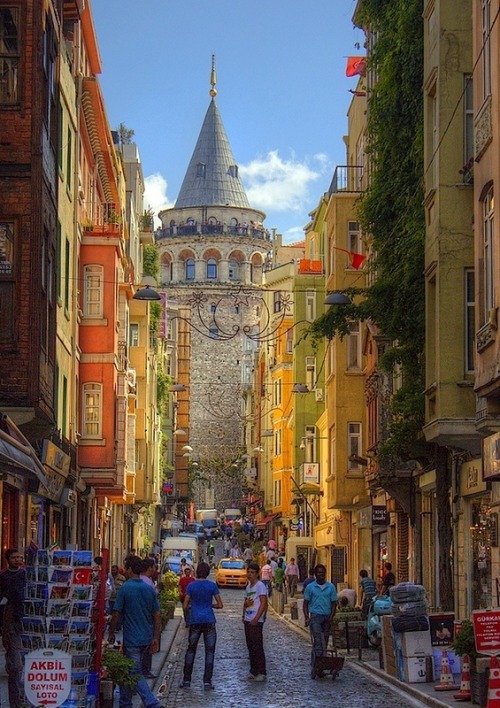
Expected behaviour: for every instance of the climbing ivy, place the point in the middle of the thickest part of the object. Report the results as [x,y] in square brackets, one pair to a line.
[391,213]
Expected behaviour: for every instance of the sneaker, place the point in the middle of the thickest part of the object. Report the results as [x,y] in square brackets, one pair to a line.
[251,677]
[185,684]
[208,686]
[260,677]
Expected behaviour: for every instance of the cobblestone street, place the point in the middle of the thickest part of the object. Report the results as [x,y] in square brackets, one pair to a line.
[288,681]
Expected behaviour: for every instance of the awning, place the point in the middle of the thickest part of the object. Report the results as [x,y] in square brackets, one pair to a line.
[266,520]
[16,454]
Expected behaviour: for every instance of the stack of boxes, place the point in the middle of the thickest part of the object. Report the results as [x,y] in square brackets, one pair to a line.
[406,640]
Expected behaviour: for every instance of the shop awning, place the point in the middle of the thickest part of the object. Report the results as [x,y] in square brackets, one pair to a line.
[16,454]
[266,520]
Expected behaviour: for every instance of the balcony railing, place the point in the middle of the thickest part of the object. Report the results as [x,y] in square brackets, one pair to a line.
[347,178]
[196,229]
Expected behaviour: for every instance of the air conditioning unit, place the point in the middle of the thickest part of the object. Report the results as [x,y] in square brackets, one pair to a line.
[318,394]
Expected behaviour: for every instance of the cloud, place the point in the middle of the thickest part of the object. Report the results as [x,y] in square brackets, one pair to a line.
[294,234]
[155,194]
[276,184]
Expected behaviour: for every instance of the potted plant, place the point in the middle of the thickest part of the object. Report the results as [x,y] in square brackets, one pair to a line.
[116,670]
[168,595]
[465,644]
[146,221]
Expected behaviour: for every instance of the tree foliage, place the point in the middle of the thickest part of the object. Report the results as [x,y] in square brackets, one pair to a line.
[391,213]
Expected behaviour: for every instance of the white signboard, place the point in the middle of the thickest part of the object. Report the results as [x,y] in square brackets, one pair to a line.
[310,473]
[47,677]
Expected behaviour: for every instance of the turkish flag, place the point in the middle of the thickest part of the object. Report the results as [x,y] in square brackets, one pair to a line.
[355,65]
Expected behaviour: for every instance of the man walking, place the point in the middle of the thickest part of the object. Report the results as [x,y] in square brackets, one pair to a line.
[199,598]
[320,605]
[137,607]
[12,587]
[368,591]
[254,614]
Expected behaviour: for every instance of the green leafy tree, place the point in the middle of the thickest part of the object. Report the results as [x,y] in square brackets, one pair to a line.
[391,213]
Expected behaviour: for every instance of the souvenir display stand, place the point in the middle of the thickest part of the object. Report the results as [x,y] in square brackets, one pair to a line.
[64,610]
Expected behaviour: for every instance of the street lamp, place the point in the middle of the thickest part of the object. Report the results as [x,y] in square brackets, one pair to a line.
[147,294]
[337,298]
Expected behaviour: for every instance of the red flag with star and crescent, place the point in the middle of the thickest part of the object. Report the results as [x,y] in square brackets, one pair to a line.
[355,65]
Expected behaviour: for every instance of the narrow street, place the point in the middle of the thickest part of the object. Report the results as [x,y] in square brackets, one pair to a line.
[288,683]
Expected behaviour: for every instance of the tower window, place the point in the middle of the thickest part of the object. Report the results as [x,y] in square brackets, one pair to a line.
[201,170]
[233,170]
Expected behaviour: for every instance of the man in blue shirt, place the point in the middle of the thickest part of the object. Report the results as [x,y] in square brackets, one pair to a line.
[137,606]
[199,597]
[320,605]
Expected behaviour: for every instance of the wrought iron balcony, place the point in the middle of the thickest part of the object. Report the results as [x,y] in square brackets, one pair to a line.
[347,178]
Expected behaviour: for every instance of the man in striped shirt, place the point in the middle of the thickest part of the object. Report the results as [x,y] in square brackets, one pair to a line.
[368,591]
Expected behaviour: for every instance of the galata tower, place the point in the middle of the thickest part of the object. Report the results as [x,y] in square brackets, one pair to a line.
[213,249]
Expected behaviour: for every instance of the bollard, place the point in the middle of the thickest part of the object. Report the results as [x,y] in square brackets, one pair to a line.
[294,612]
[360,642]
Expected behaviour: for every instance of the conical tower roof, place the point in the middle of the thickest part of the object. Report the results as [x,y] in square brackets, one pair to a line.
[212,175]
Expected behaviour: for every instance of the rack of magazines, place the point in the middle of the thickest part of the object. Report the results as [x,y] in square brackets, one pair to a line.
[62,612]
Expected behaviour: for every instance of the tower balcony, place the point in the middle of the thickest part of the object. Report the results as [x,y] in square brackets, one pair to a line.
[251,230]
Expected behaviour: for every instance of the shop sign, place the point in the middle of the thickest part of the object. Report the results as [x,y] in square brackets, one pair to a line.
[55,458]
[47,677]
[379,516]
[365,518]
[471,478]
[310,473]
[487,631]
[442,627]
[54,485]
[491,457]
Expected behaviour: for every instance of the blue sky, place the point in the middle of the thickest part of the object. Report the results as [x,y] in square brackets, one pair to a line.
[282,91]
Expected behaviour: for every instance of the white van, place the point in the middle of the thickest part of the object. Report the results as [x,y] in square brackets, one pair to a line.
[182,546]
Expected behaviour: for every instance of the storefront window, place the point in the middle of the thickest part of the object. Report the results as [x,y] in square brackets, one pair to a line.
[482,527]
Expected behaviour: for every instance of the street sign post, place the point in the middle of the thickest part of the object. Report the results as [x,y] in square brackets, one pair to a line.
[47,677]
[487,631]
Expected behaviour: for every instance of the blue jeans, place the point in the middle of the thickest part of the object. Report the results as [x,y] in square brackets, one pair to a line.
[209,639]
[319,626]
[142,686]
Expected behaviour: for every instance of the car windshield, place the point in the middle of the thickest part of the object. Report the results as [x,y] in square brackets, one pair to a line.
[232,564]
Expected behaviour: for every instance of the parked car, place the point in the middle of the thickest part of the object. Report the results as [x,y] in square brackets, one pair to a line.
[231,572]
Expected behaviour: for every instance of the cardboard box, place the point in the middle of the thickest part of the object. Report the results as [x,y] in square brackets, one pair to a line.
[415,669]
[413,643]
[453,661]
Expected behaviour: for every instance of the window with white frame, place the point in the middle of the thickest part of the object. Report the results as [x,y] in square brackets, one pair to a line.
[92,410]
[468,120]
[354,242]
[309,443]
[470,308]
[277,392]
[277,301]
[488,263]
[354,346]
[277,492]
[310,372]
[289,340]
[93,290]
[354,447]
[486,47]
[134,335]
[310,305]
[277,442]
[330,358]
